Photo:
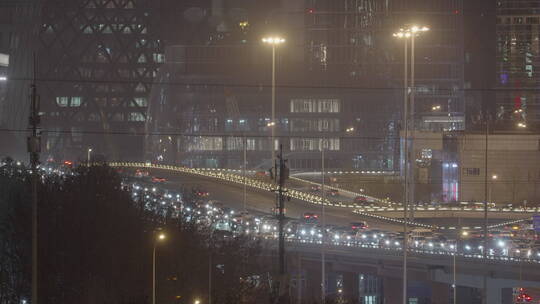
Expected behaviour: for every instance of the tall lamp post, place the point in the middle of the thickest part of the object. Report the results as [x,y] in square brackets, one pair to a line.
[88,156]
[323,215]
[157,238]
[494,177]
[274,41]
[406,34]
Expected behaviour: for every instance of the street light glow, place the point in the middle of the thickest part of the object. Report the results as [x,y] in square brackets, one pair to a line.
[161,236]
[409,31]
[494,176]
[273,40]
[521,125]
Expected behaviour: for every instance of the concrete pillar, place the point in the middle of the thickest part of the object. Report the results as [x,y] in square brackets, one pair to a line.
[350,286]
[499,295]
[312,293]
[468,295]
[331,284]
[440,293]
[392,290]
[507,296]
[494,295]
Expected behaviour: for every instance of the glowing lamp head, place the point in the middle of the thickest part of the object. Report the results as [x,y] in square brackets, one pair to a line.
[274,40]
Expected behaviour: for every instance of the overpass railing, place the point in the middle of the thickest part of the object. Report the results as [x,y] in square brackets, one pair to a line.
[235,176]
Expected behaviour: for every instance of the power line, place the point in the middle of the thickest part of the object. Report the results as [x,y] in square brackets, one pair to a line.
[262,85]
[241,134]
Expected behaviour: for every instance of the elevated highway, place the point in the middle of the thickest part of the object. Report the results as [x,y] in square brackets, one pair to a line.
[433,269]
[352,257]
[302,200]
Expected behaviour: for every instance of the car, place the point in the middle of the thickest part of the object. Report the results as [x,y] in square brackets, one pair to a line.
[333,192]
[360,199]
[261,173]
[200,193]
[157,179]
[141,173]
[275,210]
[310,216]
[315,188]
[359,225]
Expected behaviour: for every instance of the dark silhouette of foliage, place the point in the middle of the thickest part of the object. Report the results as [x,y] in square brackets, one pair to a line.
[95,246]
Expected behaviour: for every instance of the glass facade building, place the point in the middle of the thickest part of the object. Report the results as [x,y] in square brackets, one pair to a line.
[339,77]
[517,63]
[95,63]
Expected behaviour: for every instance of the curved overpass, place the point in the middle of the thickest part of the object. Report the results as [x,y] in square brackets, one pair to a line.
[308,201]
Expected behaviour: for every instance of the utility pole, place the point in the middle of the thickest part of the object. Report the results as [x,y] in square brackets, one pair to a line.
[244,144]
[323,215]
[282,296]
[406,173]
[283,175]
[485,247]
[34,148]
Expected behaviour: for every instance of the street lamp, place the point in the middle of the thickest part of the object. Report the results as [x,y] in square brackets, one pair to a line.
[160,237]
[88,156]
[273,41]
[323,214]
[406,33]
[494,177]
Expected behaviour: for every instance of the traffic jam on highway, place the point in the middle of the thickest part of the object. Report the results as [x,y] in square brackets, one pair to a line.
[517,241]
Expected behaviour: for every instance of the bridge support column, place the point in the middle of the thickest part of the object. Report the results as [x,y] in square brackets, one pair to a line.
[312,293]
[498,295]
[507,296]
[392,290]
[350,286]
[440,293]
[331,284]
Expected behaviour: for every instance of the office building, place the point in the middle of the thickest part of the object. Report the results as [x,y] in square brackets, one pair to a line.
[94,64]
[517,57]
[339,77]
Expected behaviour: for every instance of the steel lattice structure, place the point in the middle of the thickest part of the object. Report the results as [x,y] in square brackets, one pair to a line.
[96,60]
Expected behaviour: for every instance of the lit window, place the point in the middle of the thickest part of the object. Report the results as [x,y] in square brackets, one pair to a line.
[140,102]
[205,143]
[136,116]
[76,101]
[427,153]
[62,101]
[159,58]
